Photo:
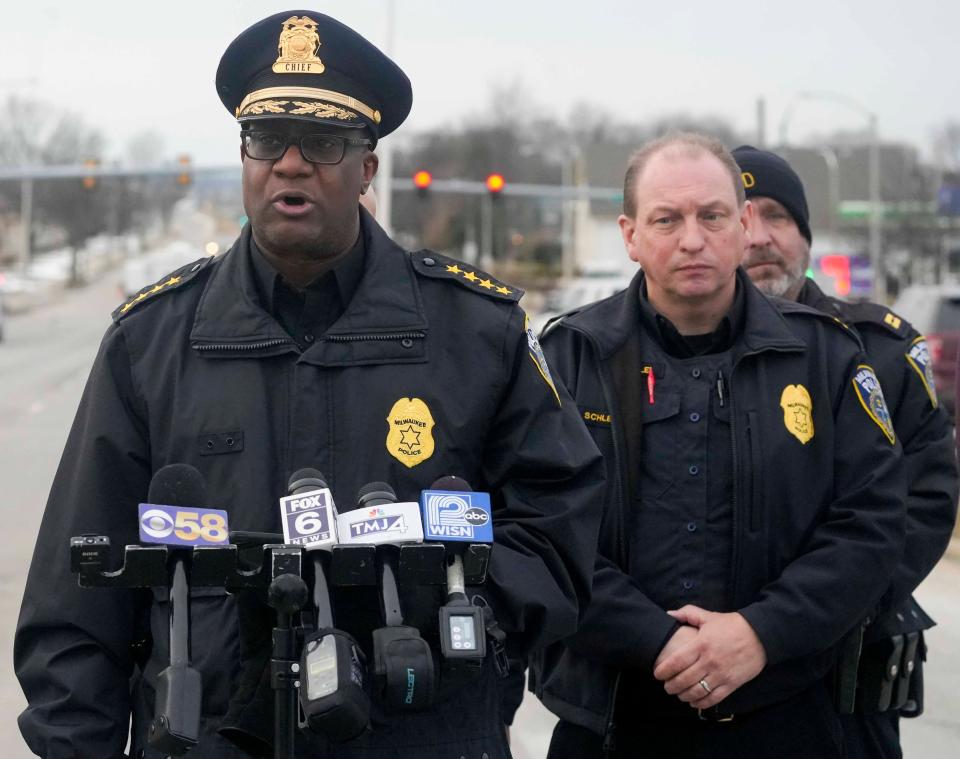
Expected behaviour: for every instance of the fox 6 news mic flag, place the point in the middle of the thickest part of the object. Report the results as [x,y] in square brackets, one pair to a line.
[308,515]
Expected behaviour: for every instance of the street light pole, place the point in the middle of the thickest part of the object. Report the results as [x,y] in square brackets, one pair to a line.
[879,273]
[876,211]
[385,150]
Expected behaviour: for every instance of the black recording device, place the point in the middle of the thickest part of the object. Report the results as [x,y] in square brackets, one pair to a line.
[332,665]
[462,632]
[402,660]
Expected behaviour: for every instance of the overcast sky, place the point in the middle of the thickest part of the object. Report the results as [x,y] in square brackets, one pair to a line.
[126,67]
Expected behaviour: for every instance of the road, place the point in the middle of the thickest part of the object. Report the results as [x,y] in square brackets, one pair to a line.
[43,366]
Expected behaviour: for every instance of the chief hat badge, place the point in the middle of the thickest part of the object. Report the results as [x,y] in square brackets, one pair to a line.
[868,389]
[297,47]
[797,412]
[410,432]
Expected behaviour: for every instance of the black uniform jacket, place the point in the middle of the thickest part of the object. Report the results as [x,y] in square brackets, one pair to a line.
[199,361]
[900,356]
[817,525]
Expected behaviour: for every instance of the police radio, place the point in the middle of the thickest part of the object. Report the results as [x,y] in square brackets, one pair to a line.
[332,665]
[456,515]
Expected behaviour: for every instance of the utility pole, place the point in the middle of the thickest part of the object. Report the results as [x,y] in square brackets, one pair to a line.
[385,150]
[761,123]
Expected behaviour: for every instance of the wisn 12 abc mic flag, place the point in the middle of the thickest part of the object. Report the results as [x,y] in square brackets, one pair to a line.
[457,515]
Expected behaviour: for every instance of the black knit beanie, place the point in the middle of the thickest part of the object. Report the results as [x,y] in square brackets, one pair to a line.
[766,174]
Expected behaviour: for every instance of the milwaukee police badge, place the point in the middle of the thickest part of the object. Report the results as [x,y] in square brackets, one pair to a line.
[297,47]
[410,432]
[797,412]
[919,358]
[871,398]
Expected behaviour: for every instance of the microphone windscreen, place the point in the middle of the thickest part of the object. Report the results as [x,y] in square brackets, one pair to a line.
[452,483]
[378,490]
[307,478]
[177,485]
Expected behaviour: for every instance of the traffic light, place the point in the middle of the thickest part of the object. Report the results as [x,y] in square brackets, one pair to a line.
[495,184]
[422,181]
[837,266]
[184,177]
[90,181]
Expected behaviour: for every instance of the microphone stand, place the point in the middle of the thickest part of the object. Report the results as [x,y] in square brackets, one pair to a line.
[286,594]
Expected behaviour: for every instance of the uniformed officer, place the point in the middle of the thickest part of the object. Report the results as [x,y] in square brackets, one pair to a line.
[315,341]
[753,475]
[777,260]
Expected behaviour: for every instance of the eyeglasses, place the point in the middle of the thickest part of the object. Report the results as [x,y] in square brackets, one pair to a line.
[315,148]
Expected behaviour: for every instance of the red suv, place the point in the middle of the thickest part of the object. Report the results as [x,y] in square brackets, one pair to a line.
[934,311]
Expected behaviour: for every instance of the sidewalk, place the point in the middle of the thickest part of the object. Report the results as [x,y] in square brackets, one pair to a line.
[953,550]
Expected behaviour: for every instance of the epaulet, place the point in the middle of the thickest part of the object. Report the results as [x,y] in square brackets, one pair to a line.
[793,307]
[173,281]
[433,265]
[878,316]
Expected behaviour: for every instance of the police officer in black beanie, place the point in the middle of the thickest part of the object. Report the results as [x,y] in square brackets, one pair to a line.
[777,259]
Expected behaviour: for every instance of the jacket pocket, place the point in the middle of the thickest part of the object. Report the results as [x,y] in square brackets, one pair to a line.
[660,462]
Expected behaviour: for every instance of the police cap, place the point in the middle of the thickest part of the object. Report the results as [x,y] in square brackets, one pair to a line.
[304,65]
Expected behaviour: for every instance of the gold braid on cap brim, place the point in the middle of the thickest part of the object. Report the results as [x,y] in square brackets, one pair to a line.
[269,100]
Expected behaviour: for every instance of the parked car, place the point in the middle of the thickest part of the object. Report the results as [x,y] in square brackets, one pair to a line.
[934,310]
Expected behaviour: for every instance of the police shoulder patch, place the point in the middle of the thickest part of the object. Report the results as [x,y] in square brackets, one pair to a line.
[919,358]
[172,281]
[436,266]
[539,360]
[870,395]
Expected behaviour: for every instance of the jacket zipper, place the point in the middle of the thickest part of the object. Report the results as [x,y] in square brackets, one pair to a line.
[737,517]
[377,337]
[610,729]
[275,342]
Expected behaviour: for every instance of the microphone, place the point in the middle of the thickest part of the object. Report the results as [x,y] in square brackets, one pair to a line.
[402,660]
[308,514]
[333,699]
[174,493]
[455,515]
[378,518]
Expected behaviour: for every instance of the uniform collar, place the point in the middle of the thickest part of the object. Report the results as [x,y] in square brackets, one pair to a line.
[811,295]
[346,274]
[683,346]
[610,322]
[387,299]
